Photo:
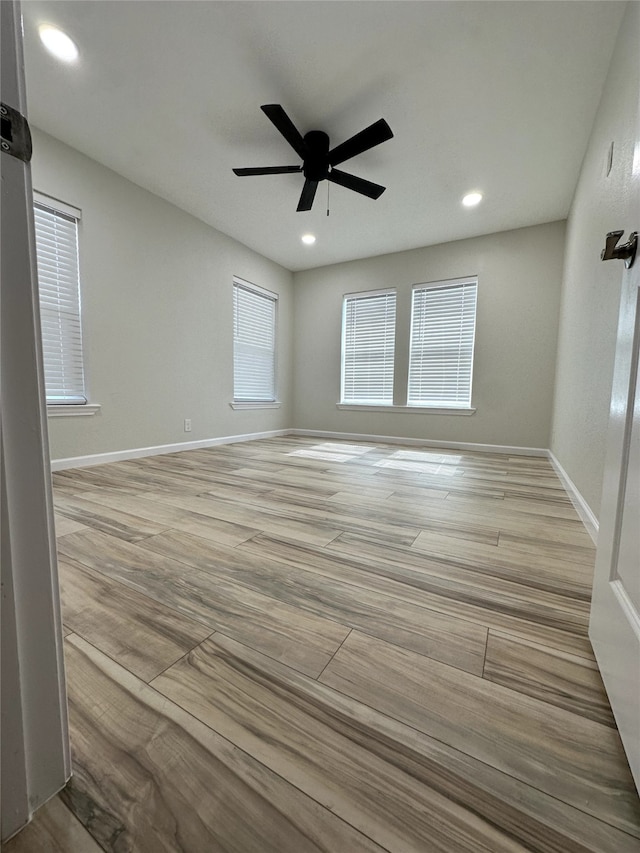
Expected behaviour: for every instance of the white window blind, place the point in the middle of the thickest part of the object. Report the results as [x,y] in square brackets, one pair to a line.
[254,343]
[368,346]
[59,289]
[443,321]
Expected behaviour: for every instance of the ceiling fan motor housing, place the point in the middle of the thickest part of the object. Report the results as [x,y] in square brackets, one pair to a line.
[316,163]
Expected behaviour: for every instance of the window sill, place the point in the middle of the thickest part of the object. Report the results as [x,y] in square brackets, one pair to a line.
[413,410]
[246,404]
[71,410]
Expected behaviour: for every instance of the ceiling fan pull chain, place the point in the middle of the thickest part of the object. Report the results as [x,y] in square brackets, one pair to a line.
[328,188]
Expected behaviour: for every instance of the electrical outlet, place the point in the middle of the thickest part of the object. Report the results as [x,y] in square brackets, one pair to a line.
[187,424]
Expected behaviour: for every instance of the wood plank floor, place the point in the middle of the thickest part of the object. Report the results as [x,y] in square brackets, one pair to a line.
[294,645]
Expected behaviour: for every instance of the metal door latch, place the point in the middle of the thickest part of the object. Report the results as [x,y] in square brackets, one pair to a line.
[16,136]
[626,252]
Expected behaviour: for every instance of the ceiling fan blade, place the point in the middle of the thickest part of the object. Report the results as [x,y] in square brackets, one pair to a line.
[268,170]
[371,136]
[351,182]
[276,114]
[307,196]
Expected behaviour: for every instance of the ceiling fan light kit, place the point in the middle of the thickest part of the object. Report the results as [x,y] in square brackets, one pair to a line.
[318,161]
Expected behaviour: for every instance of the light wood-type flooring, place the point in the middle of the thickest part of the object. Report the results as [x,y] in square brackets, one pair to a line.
[292,645]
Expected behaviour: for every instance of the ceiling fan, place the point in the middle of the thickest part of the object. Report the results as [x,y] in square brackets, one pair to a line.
[318,162]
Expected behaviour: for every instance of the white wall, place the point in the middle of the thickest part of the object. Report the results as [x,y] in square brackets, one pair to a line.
[591,289]
[157,314]
[519,278]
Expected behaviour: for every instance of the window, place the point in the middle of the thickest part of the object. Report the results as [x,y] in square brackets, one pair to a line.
[368,345]
[443,321]
[56,228]
[254,343]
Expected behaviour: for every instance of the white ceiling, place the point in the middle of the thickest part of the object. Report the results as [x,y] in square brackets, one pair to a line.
[495,96]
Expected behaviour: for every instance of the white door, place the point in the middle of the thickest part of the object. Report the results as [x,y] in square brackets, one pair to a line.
[33,735]
[615,613]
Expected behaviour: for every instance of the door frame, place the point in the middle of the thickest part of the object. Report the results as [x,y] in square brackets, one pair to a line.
[34,739]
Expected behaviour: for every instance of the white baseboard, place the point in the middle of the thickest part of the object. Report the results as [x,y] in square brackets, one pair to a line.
[424,442]
[581,506]
[583,509]
[139,452]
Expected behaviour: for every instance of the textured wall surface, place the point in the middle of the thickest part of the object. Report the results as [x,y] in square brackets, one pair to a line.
[519,279]
[591,289]
[157,313]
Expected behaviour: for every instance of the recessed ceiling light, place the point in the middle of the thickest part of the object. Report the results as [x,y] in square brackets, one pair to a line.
[308,239]
[58,43]
[471,199]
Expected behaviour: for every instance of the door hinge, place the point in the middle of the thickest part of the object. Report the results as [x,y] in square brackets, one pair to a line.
[16,136]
